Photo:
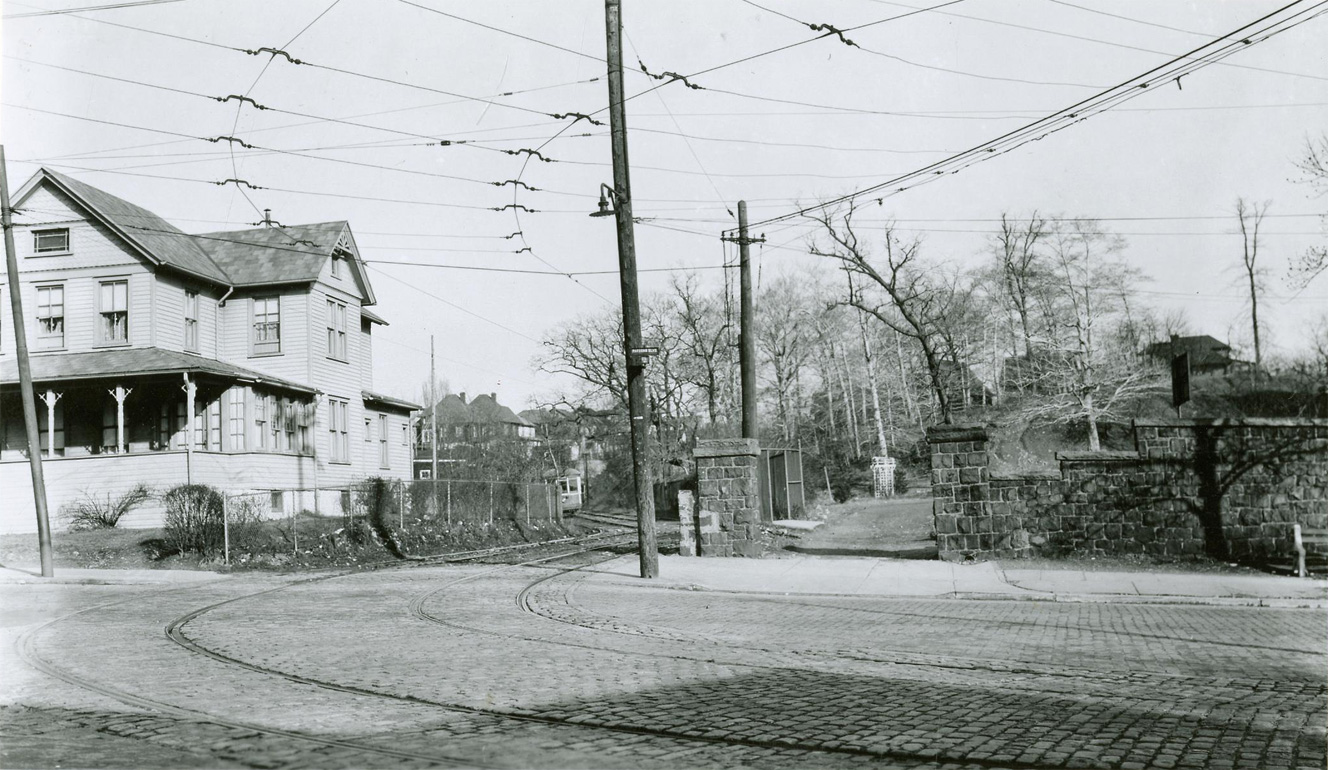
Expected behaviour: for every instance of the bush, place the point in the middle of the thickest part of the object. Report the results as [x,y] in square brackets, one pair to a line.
[93,512]
[901,480]
[378,498]
[194,520]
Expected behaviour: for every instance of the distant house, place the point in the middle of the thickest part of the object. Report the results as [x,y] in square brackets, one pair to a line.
[1207,354]
[238,359]
[465,428]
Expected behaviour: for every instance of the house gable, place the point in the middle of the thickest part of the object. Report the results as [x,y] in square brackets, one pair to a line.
[159,242]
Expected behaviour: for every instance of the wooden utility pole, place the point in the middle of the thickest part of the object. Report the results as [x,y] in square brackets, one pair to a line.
[746,325]
[25,378]
[637,406]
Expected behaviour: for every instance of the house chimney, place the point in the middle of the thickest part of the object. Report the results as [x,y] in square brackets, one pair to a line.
[494,396]
[462,396]
[1175,338]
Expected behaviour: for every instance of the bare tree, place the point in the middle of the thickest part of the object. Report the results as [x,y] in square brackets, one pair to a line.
[783,343]
[704,331]
[1313,164]
[1089,379]
[1251,217]
[1019,270]
[915,304]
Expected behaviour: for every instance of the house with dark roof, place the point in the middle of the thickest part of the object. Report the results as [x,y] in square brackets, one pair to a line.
[241,359]
[467,425]
[1207,354]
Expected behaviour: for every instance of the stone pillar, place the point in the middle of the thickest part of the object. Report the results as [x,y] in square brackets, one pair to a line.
[961,491]
[728,508]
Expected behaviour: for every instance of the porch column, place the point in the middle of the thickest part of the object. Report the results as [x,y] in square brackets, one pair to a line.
[190,390]
[120,393]
[50,397]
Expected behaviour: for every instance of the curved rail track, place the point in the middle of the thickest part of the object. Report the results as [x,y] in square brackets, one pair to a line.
[27,649]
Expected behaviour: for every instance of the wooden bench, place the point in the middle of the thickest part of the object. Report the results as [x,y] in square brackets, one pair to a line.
[1302,535]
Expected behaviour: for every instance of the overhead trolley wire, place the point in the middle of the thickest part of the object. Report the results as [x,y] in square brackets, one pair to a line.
[1061,119]
[1098,41]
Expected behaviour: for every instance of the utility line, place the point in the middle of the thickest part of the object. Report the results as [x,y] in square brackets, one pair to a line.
[454,361]
[468,312]
[86,8]
[1098,41]
[521,271]
[1128,89]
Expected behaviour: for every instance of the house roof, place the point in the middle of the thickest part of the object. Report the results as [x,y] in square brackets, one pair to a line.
[369,315]
[1204,350]
[136,362]
[159,241]
[485,408]
[481,409]
[398,403]
[238,258]
[267,255]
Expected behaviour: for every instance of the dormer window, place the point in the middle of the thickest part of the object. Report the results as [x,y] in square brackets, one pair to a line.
[50,241]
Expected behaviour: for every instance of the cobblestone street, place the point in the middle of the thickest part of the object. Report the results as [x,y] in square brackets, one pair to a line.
[548,666]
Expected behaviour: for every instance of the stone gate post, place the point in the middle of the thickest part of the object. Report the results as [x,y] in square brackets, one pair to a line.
[960,490]
[728,508]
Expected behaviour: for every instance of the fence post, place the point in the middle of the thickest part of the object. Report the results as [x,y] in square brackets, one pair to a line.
[295,524]
[226,527]
[527,486]
[490,503]
[548,501]
[401,506]
[449,504]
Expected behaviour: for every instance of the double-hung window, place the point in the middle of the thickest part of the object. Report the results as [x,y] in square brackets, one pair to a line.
[384,454]
[235,418]
[260,421]
[267,326]
[114,301]
[50,317]
[338,426]
[336,330]
[191,321]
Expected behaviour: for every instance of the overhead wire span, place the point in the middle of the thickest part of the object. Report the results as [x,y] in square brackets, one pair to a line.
[88,8]
[1244,36]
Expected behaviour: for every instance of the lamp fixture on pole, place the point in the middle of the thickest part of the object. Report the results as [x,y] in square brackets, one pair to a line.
[605,194]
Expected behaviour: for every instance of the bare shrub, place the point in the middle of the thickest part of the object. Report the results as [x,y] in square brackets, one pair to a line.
[93,511]
[194,522]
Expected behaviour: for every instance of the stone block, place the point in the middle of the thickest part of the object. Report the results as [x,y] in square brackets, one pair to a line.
[946,524]
[726,447]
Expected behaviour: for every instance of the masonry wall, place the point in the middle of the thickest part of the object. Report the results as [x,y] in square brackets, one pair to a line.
[1228,488]
[728,510]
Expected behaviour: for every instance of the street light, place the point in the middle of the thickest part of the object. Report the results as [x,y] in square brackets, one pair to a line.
[605,193]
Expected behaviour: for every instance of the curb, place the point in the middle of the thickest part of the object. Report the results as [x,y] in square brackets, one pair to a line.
[135,580]
[1204,601]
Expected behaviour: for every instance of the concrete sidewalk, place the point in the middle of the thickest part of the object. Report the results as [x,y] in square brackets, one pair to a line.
[986,580]
[26,574]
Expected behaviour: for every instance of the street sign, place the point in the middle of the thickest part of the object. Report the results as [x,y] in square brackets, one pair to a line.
[645,352]
[1180,379]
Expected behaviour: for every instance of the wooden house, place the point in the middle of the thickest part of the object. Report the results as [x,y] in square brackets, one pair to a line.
[238,359]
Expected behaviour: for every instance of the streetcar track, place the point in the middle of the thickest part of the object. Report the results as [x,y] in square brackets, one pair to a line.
[26,648]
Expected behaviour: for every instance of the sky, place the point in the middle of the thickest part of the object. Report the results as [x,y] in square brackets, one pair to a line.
[412,120]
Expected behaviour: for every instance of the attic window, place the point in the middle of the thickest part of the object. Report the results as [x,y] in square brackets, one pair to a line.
[336,266]
[47,241]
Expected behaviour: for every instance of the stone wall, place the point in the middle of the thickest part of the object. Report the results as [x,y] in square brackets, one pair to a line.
[1228,488]
[727,509]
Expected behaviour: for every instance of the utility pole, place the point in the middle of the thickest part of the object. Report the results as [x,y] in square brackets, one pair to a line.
[746,325]
[25,378]
[636,353]
[433,419]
